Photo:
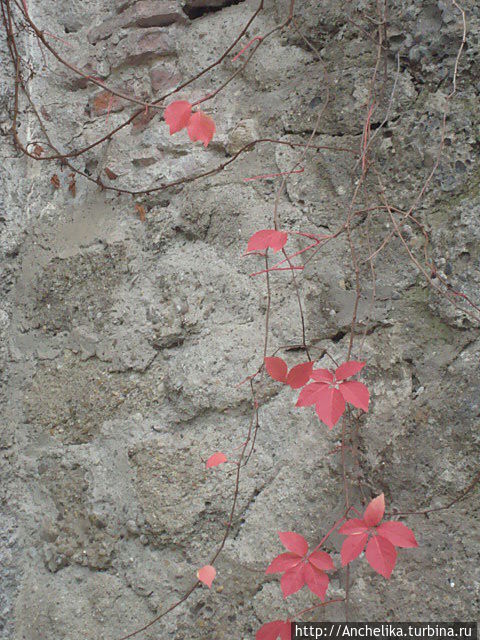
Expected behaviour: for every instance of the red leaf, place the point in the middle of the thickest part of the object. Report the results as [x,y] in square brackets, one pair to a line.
[38,150]
[273,630]
[286,632]
[216,459]
[201,127]
[356,393]
[348,369]
[294,542]
[330,406]
[177,115]
[317,581]
[207,575]
[55,180]
[322,375]
[374,511]
[309,394]
[72,184]
[381,555]
[353,527]
[293,580]
[111,175]
[267,239]
[283,562]
[299,375]
[321,560]
[142,214]
[352,547]
[398,534]
[276,369]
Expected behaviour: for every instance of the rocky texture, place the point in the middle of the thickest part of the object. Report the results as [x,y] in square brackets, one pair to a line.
[122,342]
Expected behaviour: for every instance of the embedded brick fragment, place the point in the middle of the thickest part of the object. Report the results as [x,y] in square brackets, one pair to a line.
[142,14]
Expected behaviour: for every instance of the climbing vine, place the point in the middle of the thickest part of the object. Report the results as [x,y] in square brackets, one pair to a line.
[340,399]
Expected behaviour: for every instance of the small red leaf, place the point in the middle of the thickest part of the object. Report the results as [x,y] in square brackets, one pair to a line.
[276,369]
[216,459]
[317,581]
[293,580]
[330,406]
[348,369]
[267,239]
[398,534]
[38,150]
[374,511]
[111,175]
[321,560]
[356,393]
[274,630]
[201,127]
[309,394]
[299,375]
[294,542]
[177,115]
[207,575]
[352,547]
[140,209]
[322,375]
[381,555]
[353,527]
[283,562]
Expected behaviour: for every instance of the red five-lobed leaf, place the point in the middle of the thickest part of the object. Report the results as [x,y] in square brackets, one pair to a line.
[298,569]
[177,115]
[267,239]
[216,459]
[276,630]
[201,127]
[330,392]
[381,539]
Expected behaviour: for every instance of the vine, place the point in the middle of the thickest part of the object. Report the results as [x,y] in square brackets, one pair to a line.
[335,396]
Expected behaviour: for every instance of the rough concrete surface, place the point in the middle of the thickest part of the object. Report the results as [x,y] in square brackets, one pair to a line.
[122,341]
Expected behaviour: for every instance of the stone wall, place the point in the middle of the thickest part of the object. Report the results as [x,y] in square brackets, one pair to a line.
[122,341]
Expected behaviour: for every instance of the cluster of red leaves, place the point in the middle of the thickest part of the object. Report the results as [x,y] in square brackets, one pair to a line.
[330,390]
[382,538]
[178,115]
[299,568]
